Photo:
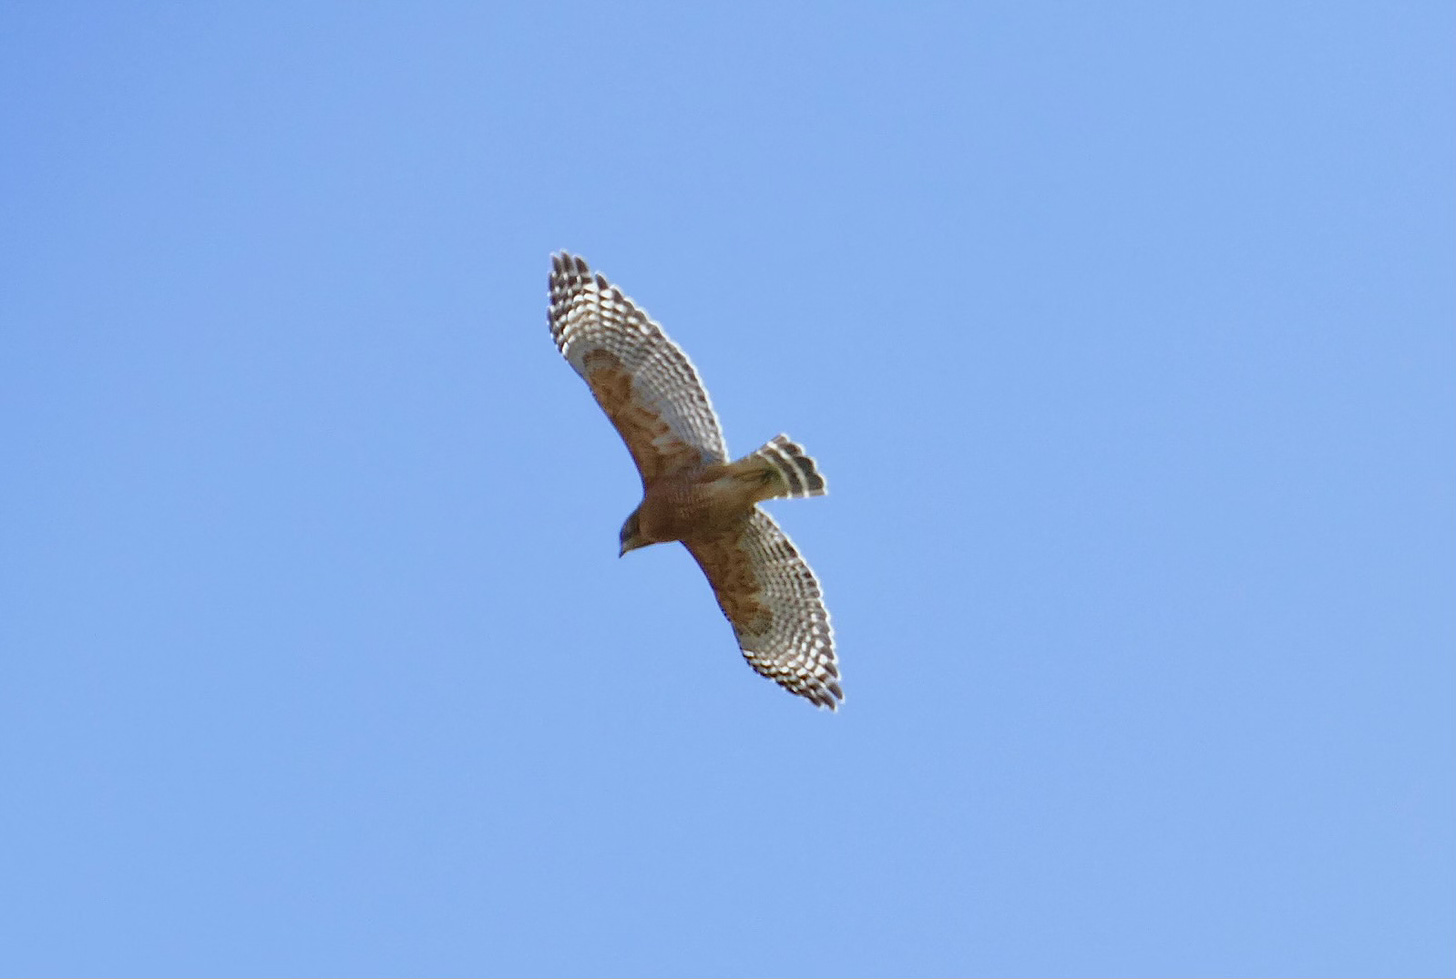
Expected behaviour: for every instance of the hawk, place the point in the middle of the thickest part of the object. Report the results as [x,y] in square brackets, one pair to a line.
[691,491]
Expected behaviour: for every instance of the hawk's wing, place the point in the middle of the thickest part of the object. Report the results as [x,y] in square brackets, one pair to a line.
[642,380]
[773,602]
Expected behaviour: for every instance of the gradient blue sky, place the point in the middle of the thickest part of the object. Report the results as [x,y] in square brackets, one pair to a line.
[1125,334]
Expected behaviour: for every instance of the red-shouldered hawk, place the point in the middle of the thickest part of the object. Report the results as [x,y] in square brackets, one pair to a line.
[691,492]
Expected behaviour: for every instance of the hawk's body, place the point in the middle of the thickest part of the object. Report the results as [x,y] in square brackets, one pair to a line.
[690,491]
[695,504]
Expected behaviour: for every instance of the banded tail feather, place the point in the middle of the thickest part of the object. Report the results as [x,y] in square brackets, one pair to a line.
[790,469]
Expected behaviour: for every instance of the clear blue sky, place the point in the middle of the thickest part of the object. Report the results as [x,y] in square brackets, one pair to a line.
[1124,333]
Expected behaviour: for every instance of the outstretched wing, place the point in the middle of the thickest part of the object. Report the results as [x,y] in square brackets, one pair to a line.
[642,380]
[773,602]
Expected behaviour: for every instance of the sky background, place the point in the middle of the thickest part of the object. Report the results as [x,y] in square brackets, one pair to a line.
[1124,333]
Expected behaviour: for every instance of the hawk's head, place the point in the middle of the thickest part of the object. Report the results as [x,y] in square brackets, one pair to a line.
[631,536]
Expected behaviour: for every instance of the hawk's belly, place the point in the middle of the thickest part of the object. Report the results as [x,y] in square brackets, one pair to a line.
[689,507]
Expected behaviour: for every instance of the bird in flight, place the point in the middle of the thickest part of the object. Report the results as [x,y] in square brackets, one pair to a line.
[691,491]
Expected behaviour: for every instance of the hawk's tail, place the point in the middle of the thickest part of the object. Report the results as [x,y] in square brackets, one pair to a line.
[785,468]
